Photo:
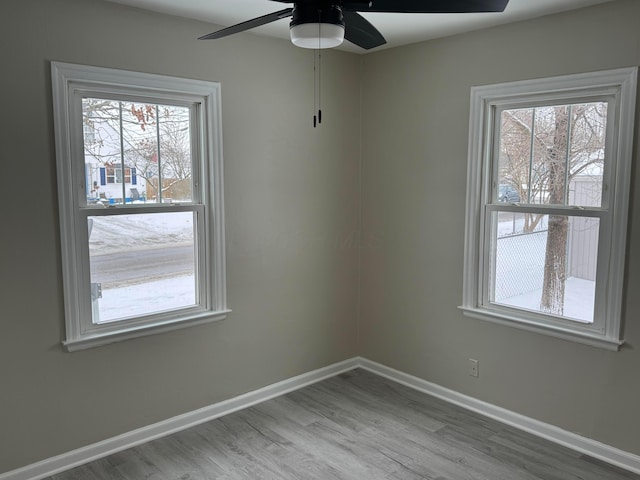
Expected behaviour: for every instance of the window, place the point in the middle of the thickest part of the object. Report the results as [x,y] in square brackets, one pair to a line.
[547,202]
[114,174]
[139,164]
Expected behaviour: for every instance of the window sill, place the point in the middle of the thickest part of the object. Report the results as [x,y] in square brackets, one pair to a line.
[592,339]
[104,338]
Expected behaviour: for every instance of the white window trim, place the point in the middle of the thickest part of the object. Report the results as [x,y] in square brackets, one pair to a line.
[622,84]
[67,79]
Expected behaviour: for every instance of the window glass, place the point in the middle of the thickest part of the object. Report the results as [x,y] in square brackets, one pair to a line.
[553,154]
[151,143]
[545,263]
[141,264]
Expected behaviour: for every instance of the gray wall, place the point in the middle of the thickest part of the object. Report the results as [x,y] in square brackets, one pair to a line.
[415,124]
[292,203]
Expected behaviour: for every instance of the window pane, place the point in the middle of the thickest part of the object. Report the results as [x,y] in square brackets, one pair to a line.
[515,155]
[102,150]
[175,154]
[151,143]
[545,263]
[164,167]
[141,146]
[141,264]
[553,154]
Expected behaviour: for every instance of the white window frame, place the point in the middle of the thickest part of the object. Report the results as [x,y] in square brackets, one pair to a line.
[619,87]
[72,82]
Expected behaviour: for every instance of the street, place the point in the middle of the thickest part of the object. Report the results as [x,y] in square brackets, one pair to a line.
[142,265]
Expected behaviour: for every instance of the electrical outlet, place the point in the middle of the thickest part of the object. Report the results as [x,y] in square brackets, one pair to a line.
[473,367]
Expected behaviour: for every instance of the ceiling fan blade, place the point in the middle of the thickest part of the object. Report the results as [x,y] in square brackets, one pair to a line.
[256,22]
[425,6]
[360,32]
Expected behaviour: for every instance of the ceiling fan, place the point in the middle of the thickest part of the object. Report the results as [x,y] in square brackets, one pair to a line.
[326,23]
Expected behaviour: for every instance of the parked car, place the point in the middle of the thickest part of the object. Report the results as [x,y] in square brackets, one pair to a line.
[506,193]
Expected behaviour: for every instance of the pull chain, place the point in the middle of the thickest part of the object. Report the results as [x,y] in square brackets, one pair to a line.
[315,89]
[317,80]
[319,75]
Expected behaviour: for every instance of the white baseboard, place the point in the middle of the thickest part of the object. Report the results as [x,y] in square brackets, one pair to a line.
[606,453]
[107,447]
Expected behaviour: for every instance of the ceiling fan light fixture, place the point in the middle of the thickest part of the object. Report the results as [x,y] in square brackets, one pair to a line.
[317,35]
[323,24]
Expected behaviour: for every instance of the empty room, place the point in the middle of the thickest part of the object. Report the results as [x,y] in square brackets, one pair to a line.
[414,254]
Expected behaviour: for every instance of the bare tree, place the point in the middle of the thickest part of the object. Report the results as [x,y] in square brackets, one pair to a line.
[555,264]
[541,151]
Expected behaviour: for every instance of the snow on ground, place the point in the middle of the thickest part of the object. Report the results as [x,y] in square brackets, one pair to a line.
[147,298]
[579,299]
[125,232]
[116,233]
[519,278]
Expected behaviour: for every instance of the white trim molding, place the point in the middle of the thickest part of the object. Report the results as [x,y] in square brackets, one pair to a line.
[200,103]
[615,88]
[578,443]
[98,450]
[74,458]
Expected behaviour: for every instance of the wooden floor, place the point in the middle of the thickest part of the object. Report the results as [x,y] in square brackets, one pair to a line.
[354,426]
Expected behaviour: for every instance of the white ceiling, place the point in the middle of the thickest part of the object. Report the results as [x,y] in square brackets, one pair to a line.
[397,28]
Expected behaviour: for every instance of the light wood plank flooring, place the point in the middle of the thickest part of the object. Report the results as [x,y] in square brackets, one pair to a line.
[354,426]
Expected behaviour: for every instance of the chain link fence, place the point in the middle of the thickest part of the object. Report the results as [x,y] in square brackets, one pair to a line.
[519,264]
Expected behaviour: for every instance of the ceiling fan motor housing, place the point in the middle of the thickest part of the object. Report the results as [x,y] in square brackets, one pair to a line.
[314,26]
[312,13]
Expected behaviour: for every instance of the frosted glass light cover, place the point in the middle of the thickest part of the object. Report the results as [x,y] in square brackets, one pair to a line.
[306,35]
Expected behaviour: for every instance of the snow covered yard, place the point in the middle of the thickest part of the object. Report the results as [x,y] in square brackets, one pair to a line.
[112,235]
[145,298]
